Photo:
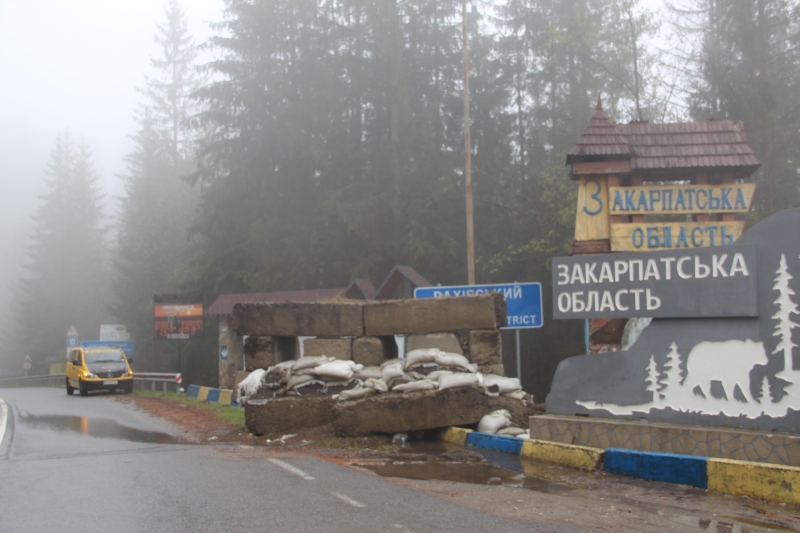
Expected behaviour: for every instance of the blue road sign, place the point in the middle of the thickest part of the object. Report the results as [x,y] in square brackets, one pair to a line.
[127,346]
[523,300]
[72,342]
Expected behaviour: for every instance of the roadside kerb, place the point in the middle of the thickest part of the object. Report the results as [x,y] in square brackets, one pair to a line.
[763,481]
[210,395]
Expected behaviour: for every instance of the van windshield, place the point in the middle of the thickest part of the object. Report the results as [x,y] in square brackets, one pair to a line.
[104,356]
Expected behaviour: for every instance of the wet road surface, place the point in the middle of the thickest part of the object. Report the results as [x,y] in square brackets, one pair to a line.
[94,464]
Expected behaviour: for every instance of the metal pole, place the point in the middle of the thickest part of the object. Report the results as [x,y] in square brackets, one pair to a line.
[467,161]
[519,365]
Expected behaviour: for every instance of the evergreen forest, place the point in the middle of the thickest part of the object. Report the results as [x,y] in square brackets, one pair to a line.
[324,141]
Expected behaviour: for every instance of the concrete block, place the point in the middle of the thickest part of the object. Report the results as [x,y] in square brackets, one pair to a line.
[667,467]
[498,369]
[495,443]
[455,435]
[337,348]
[260,351]
[285,415]
[434,315]
[202,393]
[447,342]
[416,411]
[755,480]
[292,319]
[582,457]
[485,347]
[371,351]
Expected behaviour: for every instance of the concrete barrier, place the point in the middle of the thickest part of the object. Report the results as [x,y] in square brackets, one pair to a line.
[207,394]
[656,466]
[762,481]
[571,455]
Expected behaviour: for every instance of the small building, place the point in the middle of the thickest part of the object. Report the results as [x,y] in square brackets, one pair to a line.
[400,283]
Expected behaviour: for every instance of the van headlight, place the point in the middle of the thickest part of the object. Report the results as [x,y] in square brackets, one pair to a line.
[128,373]
[90,375]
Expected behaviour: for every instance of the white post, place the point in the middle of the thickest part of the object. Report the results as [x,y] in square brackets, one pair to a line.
[519,365]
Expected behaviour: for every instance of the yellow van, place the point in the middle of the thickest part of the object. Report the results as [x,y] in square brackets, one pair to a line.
[98,368]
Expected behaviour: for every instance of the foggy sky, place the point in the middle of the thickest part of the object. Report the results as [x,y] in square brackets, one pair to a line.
[71,66]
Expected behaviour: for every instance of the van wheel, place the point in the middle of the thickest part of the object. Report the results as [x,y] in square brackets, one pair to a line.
[128,388]
[84,389]
[70,388]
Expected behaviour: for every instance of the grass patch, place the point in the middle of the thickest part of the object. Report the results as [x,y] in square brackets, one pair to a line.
[226,413]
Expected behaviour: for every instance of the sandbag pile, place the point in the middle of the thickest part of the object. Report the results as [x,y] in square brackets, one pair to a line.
[499,423]
[423,369]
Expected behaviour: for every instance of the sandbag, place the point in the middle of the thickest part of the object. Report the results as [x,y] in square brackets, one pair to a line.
[335,387]
[501,384]
[315,387]
[337,369]
[434,376]
[368,372]
[494,421]
[311,362]
[524,397]
[511,431]
[250,385]
[422,355]
[390,362]
[294,381]
[392,371]
[400,380]
[423,384]
[452,381]
[422,369]
[354,394]
[377,384]
[448,359]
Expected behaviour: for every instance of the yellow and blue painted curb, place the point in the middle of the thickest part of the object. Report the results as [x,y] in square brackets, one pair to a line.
[207,394]
[763,481]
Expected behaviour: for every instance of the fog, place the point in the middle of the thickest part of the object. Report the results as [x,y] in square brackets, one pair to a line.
[70,66]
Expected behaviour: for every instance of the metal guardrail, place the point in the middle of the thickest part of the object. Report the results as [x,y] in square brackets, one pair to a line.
[33,381]
[140,381]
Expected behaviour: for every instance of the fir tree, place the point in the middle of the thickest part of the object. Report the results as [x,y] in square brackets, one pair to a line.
[652,378]
[64,279]
[786,308]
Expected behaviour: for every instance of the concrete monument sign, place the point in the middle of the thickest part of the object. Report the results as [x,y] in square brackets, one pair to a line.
[702,282]
[736,371]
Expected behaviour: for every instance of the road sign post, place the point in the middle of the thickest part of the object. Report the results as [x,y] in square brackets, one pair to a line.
[523,304]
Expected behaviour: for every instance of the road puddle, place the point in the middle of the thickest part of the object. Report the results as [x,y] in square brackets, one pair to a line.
[425,460]
[97,427]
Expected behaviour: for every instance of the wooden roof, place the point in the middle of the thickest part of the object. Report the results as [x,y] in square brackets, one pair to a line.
[690,146]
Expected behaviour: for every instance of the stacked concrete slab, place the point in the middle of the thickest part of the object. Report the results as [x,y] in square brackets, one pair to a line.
[364,331]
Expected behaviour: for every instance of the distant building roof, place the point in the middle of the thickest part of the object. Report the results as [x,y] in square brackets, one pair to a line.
[690,146]
[223,305]
[360,289]
[406,275]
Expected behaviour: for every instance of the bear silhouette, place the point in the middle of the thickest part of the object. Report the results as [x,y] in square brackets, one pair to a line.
[727,362]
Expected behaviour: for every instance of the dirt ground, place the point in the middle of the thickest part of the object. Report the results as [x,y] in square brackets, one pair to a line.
[550,494]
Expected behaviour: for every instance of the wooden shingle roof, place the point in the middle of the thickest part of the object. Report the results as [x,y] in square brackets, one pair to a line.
[690,146]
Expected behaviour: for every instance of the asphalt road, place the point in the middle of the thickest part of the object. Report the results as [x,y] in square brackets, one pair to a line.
[94,464]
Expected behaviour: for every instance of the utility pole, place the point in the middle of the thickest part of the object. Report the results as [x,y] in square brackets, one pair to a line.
[467,161]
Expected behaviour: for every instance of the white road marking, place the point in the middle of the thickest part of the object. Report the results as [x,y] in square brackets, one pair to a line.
[3,419]
[292,469]
[349,500]
[404,528]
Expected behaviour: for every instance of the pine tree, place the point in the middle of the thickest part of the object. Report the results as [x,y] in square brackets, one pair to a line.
[652,378]
[153,249]
[673,371]
[763,396]
[64,281]
[786,308]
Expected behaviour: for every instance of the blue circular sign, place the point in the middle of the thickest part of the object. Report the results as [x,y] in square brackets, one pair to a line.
[72,342]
